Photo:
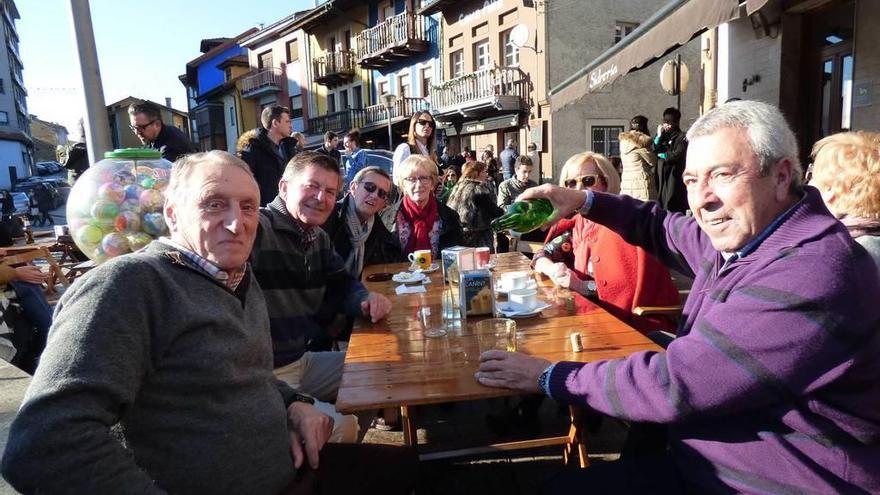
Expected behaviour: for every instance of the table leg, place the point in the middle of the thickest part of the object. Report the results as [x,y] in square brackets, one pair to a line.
[576,437]
[410,438]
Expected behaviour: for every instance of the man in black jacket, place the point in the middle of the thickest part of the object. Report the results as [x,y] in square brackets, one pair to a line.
[146,123]
[671,148]
[358,234]
[331,142]
[264,153]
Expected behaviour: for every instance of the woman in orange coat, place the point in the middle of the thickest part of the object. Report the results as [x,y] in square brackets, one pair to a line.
[594,261]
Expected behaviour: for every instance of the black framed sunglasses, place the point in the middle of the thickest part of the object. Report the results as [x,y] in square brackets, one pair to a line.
[142,127]
[425,122]
[584,180]
[374,189]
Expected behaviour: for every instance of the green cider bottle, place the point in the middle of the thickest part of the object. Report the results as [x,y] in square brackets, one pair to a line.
[524,216]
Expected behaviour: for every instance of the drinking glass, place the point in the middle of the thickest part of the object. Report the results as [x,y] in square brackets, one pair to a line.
[497,333]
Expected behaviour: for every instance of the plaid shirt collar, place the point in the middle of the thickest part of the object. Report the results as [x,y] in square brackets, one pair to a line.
[200,264]
[307,234]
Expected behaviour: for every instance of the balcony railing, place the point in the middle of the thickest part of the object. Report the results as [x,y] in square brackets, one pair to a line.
[363,118]
[397,37]
[261,82]
[487,85]
[334,68]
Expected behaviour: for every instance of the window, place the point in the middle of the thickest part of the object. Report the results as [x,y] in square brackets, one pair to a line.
[2,87]
[292,51]
[4,118]
[343,100]
[403,86]
[231,116]
[482,58]
[622,29]
[346,40]
[227,73]
[331,103]
[605,140]
[427,76]
[511,52]
[265,60]
[331,44]
[296,107]
[456,64]
[388,11]
[383,88]
[357,99]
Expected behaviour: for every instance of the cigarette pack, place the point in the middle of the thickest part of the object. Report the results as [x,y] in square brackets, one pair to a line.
[476,293]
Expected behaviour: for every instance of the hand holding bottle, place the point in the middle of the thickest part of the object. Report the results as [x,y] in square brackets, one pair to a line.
[563,200]
[524,216]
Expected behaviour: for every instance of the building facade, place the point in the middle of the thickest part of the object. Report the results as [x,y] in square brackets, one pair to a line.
[492,90]
[47,136]
[16,144]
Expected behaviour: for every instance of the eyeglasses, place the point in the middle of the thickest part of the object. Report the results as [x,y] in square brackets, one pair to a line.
[584,180]
[142,127]
[425,122]
[412,180]
[374,189]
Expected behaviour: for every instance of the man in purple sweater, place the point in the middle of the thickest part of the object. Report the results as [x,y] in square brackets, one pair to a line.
[773,382]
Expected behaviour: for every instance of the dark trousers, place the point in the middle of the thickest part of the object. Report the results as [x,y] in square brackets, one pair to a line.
[655,474]
[353,469]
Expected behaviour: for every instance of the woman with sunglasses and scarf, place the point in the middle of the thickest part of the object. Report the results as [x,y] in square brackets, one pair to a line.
[421,140]
[592,260]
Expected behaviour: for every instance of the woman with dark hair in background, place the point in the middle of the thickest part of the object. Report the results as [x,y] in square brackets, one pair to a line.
[421,140]
[638,162]
[474,201]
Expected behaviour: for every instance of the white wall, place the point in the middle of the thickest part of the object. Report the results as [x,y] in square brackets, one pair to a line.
[747,56]
[11,155]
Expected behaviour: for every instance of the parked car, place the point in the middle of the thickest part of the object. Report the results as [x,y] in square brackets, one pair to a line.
[380,158]
[43,168]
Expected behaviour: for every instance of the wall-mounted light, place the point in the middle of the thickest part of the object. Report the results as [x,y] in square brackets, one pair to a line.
[750,81]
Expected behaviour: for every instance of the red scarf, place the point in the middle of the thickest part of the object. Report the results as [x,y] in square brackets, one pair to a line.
[422,221]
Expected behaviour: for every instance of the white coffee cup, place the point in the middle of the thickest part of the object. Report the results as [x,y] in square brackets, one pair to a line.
[515,280]
[525,298]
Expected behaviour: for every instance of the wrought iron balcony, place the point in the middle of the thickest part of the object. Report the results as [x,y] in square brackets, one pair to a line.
[262,82]
[498,90]
[366,118]
[394,39]
[334,68]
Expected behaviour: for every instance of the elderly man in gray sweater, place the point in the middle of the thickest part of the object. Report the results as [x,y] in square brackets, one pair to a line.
[169,347]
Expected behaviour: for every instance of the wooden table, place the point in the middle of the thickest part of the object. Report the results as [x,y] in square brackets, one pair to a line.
[391,363]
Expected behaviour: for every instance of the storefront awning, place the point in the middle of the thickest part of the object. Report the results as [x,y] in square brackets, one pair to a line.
[672,26]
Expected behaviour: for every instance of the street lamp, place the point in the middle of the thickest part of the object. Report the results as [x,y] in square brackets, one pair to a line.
[389,100]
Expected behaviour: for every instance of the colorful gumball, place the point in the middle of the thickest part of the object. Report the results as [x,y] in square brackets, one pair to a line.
[103,210]
[153,224]
[148,183]
[152,200]
[124,177]
[133,191]
[131,205]
[88,235]
[112,192]
[115,244]
[138,240]
[127,221]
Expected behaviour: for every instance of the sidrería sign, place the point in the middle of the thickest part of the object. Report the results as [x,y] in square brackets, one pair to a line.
[601,76]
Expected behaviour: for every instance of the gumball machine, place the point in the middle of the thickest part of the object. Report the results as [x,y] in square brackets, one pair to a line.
[115,207]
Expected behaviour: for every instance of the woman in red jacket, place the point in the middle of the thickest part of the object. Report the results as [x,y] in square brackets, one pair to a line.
[594,261]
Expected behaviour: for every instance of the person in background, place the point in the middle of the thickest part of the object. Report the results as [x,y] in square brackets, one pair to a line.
[418,219]
[508,158]
[846,171]
[355,158]
[772,384]
[597,262]
[492,167]
[146,123]
[27,284]
[444,160]
[293,144]
[446,184]
[671,148]
[535,156]
[331,147]
[514,186]
[261,149]
[638,161]
[421,140]
[45,197]
[474,201]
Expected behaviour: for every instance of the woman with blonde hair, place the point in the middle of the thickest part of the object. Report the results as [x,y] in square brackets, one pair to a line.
[421,140]
[418,220]
[846,170]
[474,201]
[592,260]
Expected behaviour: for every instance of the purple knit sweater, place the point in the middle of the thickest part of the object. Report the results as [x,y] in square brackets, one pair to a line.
[773,384]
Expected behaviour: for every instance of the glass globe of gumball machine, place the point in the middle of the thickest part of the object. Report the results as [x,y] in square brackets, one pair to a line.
[116,205]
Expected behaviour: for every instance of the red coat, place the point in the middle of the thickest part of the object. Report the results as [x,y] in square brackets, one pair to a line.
[626,276]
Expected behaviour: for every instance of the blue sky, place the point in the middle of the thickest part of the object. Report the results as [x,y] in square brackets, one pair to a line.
[142,47]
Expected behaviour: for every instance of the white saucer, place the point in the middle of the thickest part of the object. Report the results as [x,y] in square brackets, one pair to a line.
[514,310]
[433,268]
[409,277]
[501,289]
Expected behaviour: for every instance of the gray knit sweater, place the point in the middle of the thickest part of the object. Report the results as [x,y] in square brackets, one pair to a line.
[182,364]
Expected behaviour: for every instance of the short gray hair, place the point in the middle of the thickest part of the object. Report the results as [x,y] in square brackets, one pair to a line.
[770,136]
[359,176]
[185,166]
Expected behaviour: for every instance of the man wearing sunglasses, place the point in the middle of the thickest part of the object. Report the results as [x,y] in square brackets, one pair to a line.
[146,123]
[357,236]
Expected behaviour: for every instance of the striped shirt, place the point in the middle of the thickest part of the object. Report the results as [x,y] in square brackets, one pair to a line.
[200,264]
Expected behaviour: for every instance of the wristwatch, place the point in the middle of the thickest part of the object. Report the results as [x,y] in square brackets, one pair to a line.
[588,202]
[544,379]
[303,398]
